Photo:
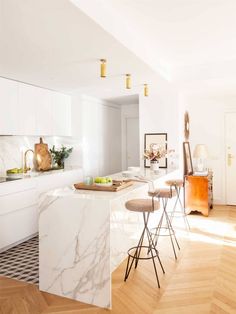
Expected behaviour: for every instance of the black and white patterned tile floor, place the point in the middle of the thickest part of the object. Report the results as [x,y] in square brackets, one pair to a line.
[21,262]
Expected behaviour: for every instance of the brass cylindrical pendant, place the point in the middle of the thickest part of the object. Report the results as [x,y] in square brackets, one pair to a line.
[103,67]
[128,81]
[145,91]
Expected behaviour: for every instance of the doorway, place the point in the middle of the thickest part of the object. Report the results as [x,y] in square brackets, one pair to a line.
[132,142]
[230,157]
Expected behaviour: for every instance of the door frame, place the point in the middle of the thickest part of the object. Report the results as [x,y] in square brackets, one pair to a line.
[225,154]
[125,139]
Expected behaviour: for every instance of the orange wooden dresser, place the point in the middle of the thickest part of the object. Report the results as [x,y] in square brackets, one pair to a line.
[199,193]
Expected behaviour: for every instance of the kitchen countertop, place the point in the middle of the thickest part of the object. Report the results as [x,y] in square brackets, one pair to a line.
[151,178]
[34,174]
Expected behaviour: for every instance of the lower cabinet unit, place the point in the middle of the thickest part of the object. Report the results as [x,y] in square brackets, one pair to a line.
[199,193]
[19,204]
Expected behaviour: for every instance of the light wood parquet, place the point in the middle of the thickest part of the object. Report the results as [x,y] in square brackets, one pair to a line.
[202,281]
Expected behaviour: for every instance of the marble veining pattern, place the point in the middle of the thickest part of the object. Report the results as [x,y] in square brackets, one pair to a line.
[79,266]
[84,236]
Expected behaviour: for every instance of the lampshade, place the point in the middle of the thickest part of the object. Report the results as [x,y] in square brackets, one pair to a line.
[200,151]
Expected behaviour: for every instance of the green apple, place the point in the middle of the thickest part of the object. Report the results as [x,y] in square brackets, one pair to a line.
[97,180]
[109,180]
[103,180]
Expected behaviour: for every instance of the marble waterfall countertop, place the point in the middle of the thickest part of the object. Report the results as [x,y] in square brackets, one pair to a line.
[84,235]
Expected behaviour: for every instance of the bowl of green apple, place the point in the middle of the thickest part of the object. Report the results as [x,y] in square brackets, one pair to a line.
[103,181]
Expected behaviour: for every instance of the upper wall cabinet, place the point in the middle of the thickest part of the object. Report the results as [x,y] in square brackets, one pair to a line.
[44,123]
[61,114]
[26,109]
[8,107]
[30,110]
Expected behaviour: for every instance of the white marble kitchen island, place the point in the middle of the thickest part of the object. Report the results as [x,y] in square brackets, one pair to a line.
[84,236]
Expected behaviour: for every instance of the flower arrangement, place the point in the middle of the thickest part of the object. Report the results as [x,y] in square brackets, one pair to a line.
[59,155]
[155,152]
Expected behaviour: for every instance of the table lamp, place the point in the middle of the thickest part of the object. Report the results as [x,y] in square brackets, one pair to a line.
[201,154]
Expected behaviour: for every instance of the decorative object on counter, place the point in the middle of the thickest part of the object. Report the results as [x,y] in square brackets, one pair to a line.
[188,166]
[186,126]
[59,155]
[201,154]
[43,159]
[116,186]
[134,169]
[88,180]
[128,174]
[154,165]
[14,172]
[155,149]
[103,181]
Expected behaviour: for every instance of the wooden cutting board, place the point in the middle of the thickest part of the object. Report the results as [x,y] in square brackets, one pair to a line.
[117,186]
[43,159]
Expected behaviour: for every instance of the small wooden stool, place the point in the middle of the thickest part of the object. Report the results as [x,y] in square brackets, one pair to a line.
[178,184]
[145,206]
[164,194]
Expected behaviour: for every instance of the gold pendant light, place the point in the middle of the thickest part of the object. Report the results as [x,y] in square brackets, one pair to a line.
[128,81]
[103,67]
[145,90]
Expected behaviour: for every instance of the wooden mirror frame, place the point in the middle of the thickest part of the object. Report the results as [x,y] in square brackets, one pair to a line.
[188,166]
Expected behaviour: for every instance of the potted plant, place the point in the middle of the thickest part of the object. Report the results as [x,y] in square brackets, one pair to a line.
[59,155]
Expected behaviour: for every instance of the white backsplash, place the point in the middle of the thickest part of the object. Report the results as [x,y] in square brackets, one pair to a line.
[13,147]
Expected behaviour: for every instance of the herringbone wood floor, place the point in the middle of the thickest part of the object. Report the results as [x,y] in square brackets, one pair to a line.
[203,280]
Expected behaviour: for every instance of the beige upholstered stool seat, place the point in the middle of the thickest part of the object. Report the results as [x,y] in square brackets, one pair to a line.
[175,182]
[163,193]
[142,205]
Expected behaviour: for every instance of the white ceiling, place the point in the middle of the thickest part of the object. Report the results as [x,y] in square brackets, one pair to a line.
[183,40]
[51,43]
[125,100]
[58,43]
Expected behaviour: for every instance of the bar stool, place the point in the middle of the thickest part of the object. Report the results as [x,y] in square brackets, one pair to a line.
[177,184]
[145,206]
[164,223]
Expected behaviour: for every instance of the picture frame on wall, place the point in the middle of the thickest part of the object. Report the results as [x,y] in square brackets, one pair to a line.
[159,139]
[188,165]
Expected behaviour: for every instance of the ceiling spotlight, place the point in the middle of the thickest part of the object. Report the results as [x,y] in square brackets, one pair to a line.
[128,81]
[145,90]
[103,67]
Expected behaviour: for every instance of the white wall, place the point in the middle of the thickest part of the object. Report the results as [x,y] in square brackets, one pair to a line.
[127,111]
[207,127]
[96,125]
[159,113]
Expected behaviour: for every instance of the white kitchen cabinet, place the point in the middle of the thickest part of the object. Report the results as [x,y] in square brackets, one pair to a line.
[19,204]
[31,110]
[8,107]
[26,109]
[61,114]
[18,212]
[43,110]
